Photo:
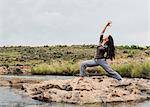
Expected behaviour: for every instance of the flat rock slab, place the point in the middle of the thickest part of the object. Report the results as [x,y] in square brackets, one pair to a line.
[100,89]
[16,82]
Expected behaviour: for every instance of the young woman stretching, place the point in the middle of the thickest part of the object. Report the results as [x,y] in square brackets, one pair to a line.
[106,45]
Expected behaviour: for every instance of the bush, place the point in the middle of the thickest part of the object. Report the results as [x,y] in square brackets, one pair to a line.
[124,69]
[66,68]
[56,68]
[135,70]
[141,70]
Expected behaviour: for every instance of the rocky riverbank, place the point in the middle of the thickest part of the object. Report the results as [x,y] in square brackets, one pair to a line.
[100,89]
[15,70]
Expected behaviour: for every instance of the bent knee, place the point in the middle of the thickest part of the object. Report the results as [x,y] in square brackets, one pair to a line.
[83,64]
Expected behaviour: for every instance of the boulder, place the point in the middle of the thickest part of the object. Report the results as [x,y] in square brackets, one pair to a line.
[90,90]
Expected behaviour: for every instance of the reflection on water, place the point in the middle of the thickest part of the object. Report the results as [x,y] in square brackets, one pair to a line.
[13,98]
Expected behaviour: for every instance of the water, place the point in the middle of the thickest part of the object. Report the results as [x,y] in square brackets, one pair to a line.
[13,98]
[48,77]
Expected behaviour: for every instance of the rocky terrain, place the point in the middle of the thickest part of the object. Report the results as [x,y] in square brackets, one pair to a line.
[15,70]
[99,89]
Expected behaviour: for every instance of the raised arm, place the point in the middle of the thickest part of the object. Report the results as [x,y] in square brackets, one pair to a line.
[108,24]
[103,31]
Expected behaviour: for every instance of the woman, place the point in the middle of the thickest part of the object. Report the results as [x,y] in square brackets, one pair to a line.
[106,45]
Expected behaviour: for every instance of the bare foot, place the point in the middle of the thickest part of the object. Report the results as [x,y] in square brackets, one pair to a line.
[80,79]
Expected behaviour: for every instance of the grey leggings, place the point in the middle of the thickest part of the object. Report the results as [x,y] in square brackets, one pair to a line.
[102,63]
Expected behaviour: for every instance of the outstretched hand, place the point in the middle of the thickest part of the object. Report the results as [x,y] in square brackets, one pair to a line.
[109,23]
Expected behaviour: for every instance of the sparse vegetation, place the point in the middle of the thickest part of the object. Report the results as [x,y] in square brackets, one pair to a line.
[131,61]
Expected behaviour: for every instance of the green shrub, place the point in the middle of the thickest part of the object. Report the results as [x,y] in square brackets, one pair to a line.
[135,69]
[66,68]
[141,70]
[56,68]
[124,69]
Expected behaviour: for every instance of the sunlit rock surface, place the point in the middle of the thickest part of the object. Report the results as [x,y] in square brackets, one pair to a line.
[100,89]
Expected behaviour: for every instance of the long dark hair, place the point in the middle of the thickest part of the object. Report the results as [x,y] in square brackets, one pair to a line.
[111,48]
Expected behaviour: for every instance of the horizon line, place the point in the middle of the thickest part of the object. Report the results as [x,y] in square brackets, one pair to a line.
[68,45]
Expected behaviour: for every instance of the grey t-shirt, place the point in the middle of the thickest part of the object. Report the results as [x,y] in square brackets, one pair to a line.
[100,52]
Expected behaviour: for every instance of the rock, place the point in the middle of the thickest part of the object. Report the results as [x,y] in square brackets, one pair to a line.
[147,52]
[17,83]
[100,89]
[4,83]
[90,90]
[15,70]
